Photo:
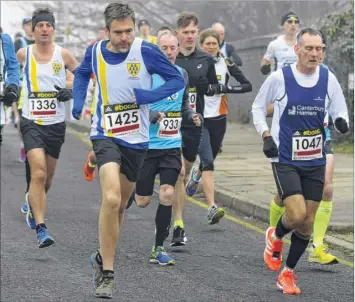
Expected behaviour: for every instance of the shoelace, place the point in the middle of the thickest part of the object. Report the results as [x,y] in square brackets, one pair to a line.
[291,278]
[106,280]
[42,234]
[325,248]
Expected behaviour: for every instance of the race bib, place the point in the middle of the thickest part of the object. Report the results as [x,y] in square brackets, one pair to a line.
[43,105]
[307,145]
[170,126]
[122,119]
[192,98]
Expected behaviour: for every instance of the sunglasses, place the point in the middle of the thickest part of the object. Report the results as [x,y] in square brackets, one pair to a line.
[293,21]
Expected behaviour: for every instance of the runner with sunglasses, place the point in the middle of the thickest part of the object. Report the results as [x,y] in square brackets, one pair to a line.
[282,49]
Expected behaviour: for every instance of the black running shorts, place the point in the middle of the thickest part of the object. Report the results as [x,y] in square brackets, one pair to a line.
[130,160]
[47,137]
[191,140]
[166,163]
[292,180]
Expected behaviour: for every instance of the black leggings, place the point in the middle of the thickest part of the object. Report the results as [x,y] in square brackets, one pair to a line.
[28,175]
[212,136]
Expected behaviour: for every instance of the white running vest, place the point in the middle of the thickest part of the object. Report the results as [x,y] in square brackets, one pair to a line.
[116,114]
[216,105]
[2,81]
[40,102]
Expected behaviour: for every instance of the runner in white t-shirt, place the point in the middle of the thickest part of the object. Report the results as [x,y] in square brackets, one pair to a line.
[282,49]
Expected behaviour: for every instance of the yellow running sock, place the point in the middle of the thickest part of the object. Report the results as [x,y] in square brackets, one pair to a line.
[275,213]
[91,165]
[179,223]
[321,221]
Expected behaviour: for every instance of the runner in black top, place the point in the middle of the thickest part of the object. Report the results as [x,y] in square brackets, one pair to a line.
[202,81]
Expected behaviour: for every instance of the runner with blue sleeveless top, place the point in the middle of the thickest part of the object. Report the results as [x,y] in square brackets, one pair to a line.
[164,154]
[319,252]
[303,94]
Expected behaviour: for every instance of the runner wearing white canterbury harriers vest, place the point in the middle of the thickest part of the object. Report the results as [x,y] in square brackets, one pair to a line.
[40,103]
[281,50]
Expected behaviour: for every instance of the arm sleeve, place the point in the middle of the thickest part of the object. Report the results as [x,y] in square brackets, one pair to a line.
[186,111]
[266,95]
[17,45]
[81,82]
[12,65]
[232,54]
[239,76]
[337,107]
[157,63]
[269,55]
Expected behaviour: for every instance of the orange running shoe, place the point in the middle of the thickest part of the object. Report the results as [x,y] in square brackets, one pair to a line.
[273,251]
[89,172]
[286,282]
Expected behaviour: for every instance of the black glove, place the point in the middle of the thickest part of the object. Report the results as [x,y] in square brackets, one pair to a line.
[64,94]
[154,116]
[10,95]
[220,88]
[330,124]
[270,148]
[341,125]
[202,85]
[265,69]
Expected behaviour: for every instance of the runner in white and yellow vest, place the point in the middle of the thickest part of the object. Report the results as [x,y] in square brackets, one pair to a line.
[42,123]
[123,66]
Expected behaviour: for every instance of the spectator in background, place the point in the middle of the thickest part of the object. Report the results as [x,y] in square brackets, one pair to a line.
[228,50]
[28,38]
[144,31]
[18,36]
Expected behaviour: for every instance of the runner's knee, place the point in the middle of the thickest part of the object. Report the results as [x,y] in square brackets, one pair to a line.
[143,201]
[39,175]
[166,194]
[111,199]
[328,191]
[207,165]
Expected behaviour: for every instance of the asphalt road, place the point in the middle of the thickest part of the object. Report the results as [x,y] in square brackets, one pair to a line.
[220,263]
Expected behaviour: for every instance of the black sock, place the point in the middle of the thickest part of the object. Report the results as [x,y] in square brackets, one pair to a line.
[162,222]
[99,258]
[281,230]
[41,225]
[107,272]
[28,175]
[298,246]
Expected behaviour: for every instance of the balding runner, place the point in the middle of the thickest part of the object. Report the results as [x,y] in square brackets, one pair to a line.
[226,49]
[304,92]
[164,154]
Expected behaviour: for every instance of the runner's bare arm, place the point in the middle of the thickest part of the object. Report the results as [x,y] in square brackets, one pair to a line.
[69,60]
[21,56]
